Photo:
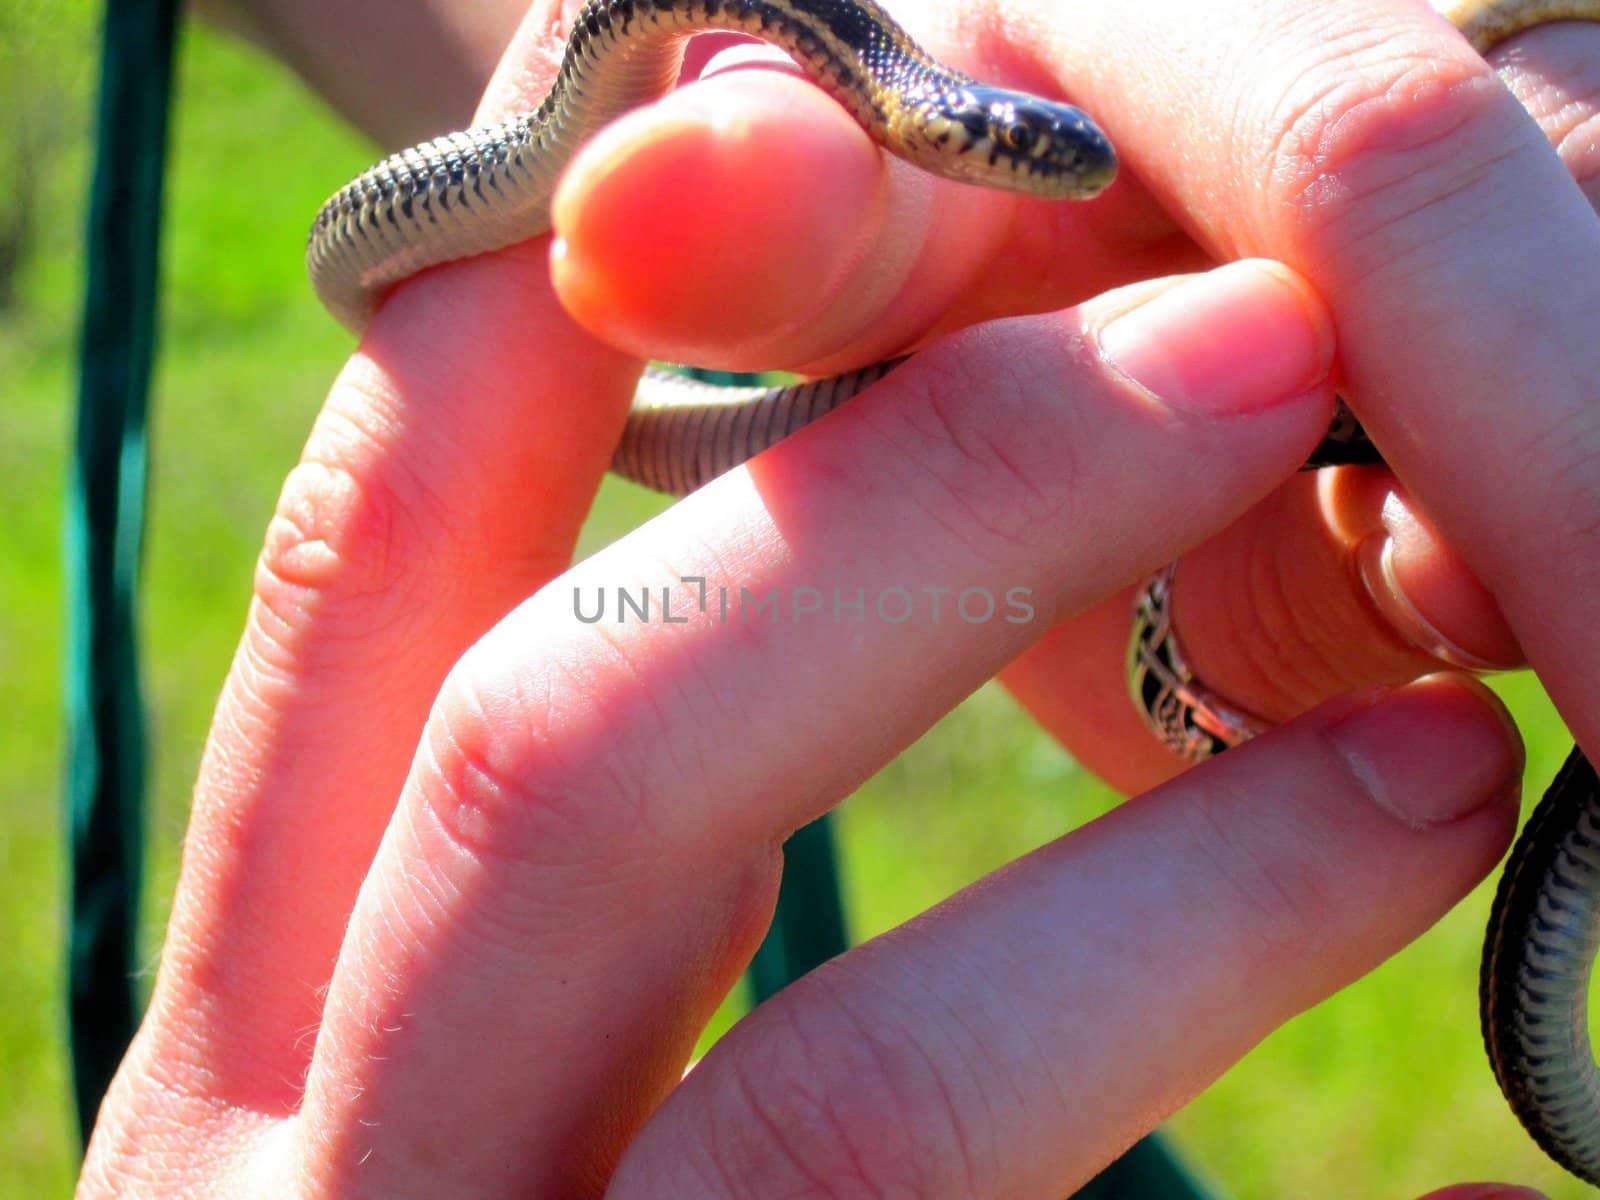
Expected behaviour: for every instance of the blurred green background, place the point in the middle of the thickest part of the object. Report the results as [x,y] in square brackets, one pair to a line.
[1382,1091]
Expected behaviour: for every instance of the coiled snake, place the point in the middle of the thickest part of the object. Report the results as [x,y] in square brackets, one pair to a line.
[475,191]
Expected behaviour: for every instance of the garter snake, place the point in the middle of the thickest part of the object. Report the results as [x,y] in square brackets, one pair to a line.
[481,189]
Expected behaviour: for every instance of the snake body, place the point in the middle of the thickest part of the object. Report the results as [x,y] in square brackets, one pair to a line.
[478,190]
[475,191]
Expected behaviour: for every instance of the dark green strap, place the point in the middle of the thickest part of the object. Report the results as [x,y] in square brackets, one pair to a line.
[1149,1171]
[104,533]
[808,928]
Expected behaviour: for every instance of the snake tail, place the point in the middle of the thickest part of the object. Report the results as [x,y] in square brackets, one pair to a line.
[1544,931]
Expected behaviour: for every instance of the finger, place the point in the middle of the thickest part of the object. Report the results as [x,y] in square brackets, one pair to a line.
[1554,73]
[1398,169]
[1333,583]
[1372,149]
[445,479]
[776,155]
[593,824]
[1016,1039]
[1355,585]
[1301,600]
[872,256]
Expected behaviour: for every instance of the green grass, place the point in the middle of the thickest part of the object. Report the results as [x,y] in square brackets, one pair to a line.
[1382,1091]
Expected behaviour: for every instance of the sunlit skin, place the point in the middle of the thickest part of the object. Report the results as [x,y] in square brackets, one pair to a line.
[960,255]
[562,830]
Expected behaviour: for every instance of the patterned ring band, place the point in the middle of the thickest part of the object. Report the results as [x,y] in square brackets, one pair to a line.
[1184,715]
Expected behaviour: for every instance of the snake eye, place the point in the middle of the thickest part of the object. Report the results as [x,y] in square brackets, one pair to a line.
[1018,136]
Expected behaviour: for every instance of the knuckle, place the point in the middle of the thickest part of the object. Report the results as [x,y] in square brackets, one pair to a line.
[517,766]
[840,1103]
[332,543]
[1272,634]
[1372,135]
[983,445]
[359,532]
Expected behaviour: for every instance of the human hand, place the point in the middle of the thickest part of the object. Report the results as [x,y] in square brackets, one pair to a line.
[1366,145]
[533,914]
[478,967]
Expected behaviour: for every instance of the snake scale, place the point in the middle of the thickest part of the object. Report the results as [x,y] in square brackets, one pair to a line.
[478,190]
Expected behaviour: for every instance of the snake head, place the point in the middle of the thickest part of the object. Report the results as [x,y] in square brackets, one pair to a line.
[1017,141]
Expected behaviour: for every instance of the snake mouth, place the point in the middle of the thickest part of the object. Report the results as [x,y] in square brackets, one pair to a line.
[1017,142]
[984,164]
[1093,176]
[1071,182]
[1088,161]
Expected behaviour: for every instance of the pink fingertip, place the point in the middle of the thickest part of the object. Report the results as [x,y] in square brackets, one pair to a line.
[1238,339]
[693,231]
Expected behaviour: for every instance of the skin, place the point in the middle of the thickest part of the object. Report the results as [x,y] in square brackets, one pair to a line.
[352,53]
[1273,612]
[364,927]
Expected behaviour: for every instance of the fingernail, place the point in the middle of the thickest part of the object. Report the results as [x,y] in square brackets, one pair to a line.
[1240,338]
[1420,586]
[1375,563]
[1433,751]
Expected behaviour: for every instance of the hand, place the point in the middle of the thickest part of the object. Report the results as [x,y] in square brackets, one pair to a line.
[1366,145]
[477,968]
